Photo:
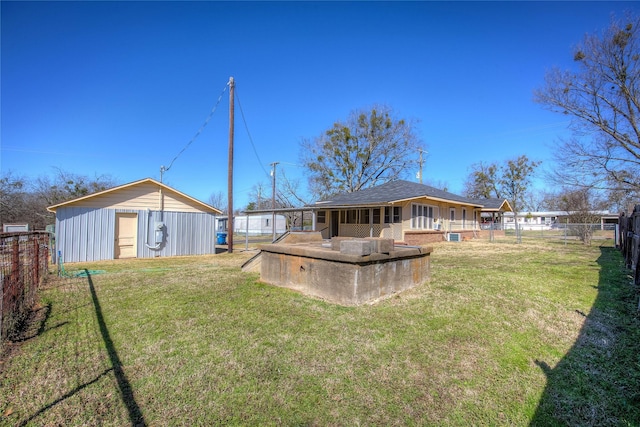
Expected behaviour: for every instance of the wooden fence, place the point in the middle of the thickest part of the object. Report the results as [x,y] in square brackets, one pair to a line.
[24,262]
[629,242]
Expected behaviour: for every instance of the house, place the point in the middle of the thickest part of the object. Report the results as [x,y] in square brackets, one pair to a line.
[546,220]
[15,228]
[253,225]
[403,210]
[142,219]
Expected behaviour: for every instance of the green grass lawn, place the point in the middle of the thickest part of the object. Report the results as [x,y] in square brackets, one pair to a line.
[540,333]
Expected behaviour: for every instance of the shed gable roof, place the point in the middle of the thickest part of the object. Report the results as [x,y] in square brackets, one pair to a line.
[127,193]
[393,191]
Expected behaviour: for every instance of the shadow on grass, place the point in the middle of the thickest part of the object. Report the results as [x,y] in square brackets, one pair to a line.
[135,415]
[65,396]
[596,382]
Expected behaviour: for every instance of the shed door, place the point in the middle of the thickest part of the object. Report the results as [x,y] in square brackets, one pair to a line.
[126,231]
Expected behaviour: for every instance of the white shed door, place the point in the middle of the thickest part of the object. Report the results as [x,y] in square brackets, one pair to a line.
[126,231]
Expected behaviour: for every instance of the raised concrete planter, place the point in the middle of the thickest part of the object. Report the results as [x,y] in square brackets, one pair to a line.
[349,277]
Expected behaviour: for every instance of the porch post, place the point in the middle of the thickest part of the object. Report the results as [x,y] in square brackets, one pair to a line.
[370,222]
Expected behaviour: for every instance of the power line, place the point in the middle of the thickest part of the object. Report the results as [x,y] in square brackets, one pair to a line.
[213,110]
[249,134]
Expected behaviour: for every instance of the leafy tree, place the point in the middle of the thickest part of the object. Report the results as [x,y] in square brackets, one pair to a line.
[483,182]
[602,97]
[369,148]
[516,179]
[511,181]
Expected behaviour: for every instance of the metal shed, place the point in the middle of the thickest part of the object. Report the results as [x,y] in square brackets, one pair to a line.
[142,219]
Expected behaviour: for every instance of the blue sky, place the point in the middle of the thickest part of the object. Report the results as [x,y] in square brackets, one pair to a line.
[120,88]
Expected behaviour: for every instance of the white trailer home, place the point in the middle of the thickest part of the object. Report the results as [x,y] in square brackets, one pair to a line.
[253,225]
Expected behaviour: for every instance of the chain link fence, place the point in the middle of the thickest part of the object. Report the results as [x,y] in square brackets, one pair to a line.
[24,263]
[558,231]
[564,231]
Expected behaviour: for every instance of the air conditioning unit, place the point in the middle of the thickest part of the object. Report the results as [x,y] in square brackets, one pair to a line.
[454,237]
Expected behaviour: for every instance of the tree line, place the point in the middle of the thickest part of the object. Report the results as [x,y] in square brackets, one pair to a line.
[597,168]
[25,200]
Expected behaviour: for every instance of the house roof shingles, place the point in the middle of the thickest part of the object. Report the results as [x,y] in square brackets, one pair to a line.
[393,191]
[494,205]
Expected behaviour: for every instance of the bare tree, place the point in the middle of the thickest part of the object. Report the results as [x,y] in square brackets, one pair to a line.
[581,207]
[602,96]
[219,200]
[369,148]
[17,201]
[439,184]
[289,192]
[26,200]
[260,197]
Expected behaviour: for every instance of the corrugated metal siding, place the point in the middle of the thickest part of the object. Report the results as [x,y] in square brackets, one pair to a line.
[87,234]
[187,233]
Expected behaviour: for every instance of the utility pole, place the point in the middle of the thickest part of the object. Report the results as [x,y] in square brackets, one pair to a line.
[230,174]
[273,200]
[162,169]
[420,162]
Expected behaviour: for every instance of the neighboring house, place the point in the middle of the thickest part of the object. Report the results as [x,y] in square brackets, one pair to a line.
[253,225]
[13,228]
[403,210]
[550,219]
[142,219]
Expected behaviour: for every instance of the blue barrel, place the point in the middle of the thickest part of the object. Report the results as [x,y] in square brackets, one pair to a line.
[222,238]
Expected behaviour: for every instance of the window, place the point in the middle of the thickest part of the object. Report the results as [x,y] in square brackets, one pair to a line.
[352,216]
[321,217]
[266,222]
[452,214]
[364,216]
[355,216]
[376,216]
[422,216]
[464,218]
[391,214]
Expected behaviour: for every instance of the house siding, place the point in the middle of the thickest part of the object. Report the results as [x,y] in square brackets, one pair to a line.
[141,196]
[402,231]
